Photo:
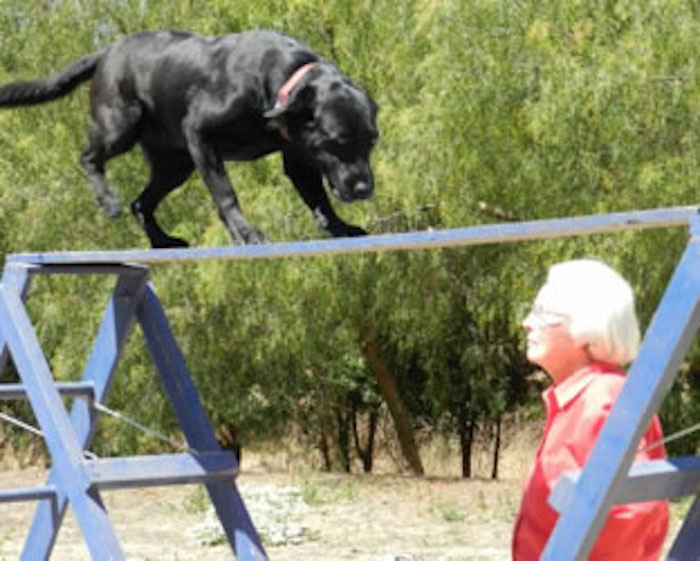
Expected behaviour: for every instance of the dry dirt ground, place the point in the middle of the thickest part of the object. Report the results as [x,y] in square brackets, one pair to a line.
[346,517]
[333,517]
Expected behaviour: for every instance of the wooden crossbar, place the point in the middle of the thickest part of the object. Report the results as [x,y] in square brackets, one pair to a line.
[26,494]
[647,481]
[165,469]
[430,239]
[71,389]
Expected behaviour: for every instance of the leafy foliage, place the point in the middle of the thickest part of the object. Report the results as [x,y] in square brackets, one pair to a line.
[489,111]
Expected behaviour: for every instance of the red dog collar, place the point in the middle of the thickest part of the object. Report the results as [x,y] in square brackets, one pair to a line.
[286,91]
[291,83]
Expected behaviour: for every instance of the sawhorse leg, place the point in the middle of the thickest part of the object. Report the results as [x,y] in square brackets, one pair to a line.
[196,426]
[19,279]
[113,332]
[687,544]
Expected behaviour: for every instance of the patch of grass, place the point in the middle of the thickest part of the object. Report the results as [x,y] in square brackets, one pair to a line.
[310,493]
[450,512]
[317,492]
[197,501]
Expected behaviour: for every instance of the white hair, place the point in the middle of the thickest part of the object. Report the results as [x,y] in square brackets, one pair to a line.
[600,305]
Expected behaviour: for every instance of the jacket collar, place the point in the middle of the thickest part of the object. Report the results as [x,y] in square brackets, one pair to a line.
[566,391]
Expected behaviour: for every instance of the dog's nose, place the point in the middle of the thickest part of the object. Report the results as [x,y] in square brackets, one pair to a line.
[363,189]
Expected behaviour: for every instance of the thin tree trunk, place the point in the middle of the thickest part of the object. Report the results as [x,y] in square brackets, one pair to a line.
[325,451]
[496,448]
[466,440]
[373,419]
[399,414]
[343,437]
[366,453]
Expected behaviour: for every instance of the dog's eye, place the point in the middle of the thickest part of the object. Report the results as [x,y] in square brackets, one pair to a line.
[327,144]
[346,147]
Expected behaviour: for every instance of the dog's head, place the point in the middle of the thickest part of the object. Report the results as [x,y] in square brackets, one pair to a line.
[332,123]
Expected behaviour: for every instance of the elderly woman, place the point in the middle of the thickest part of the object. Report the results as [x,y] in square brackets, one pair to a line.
[581,330]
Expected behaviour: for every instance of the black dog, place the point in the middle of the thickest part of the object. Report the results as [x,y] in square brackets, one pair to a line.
[195,102]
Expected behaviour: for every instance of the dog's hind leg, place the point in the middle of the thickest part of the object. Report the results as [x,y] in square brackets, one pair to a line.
[309,184]
[113,132]
[169,170]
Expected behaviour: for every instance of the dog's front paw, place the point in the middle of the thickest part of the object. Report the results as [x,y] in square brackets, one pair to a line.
[354,231]
[254,236]
[347,231]
[168,242]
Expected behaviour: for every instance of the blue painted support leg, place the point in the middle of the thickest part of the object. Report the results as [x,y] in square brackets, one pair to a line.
[113,332]
[16,277]
[196,426]
[667,339]
[687,544]
[72,476]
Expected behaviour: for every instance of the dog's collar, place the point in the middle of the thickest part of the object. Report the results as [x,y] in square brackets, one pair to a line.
[293,81]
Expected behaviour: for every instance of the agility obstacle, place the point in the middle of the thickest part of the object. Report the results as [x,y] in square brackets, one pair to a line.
[75,478]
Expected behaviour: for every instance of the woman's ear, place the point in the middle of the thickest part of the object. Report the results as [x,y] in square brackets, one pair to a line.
[585,346]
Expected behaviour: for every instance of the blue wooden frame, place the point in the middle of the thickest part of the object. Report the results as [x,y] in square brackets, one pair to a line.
[73,478]
[583,499]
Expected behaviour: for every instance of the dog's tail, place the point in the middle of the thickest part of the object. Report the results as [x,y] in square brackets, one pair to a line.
[61,83]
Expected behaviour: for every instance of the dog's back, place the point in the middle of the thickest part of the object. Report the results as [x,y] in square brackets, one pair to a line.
[192,57]
[162,69]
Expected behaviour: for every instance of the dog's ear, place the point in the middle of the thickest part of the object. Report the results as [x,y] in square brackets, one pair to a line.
[276,112]
[300,101]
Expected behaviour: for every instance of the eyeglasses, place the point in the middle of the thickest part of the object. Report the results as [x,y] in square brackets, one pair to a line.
[545,318]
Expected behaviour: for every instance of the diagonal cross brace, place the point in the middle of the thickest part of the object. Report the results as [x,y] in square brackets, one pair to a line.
[195,424]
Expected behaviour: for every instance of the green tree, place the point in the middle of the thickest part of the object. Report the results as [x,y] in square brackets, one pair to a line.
[489,111]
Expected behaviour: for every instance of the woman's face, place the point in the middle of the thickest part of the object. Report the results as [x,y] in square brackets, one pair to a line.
[549,341]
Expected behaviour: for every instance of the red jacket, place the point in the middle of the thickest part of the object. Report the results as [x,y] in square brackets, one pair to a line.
[576,411]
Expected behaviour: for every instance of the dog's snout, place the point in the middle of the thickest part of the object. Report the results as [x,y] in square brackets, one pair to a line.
[363,189]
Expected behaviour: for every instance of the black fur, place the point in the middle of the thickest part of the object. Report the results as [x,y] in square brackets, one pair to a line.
[194,102]
[35,92]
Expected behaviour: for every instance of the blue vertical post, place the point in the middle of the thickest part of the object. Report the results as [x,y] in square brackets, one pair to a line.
[673,327]
[18,278]
[195,425]
[106,351]
[65,450]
